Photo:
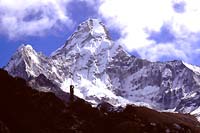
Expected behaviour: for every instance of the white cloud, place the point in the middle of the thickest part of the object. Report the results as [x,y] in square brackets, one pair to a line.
[31,17]
[155,52]
[136,18]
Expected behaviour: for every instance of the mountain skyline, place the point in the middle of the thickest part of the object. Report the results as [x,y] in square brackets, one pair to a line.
[101,70]
[171,33]
[100,66]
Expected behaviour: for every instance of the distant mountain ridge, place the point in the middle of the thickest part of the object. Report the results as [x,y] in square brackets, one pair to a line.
[102,70]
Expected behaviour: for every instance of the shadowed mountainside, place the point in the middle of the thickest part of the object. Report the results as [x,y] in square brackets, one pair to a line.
[25,110]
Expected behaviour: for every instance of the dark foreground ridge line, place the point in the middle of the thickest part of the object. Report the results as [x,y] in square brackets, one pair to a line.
[25,110]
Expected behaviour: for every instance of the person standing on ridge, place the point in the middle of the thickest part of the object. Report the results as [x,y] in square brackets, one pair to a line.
[71,93]
[71,89]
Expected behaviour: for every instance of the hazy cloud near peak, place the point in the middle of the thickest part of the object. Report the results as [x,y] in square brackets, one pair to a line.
[138,18]
[31,17]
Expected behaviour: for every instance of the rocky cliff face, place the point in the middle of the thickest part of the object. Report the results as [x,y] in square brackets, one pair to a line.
[102,70]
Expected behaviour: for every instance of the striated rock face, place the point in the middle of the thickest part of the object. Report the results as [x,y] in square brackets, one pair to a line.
[103,71]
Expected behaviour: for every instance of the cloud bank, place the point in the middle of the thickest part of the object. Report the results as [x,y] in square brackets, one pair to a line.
[156,29]
[32,17]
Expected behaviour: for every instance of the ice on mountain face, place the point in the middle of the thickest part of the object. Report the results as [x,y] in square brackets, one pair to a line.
[145,95]
[85,89]
[195,69]
[34,58]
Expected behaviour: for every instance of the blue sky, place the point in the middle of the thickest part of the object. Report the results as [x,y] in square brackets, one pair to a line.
[163,31]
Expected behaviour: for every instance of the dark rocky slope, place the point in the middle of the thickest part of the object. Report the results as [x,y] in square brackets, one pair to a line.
[26,110]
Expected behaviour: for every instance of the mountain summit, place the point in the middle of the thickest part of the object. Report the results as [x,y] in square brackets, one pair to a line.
[102,70]
[92,31]
[94,27]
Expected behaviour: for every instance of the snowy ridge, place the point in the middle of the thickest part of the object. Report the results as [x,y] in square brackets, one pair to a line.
[194,68]
[25,57]
[103,71]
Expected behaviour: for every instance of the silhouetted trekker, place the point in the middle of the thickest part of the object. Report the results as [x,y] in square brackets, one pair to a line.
[71,93]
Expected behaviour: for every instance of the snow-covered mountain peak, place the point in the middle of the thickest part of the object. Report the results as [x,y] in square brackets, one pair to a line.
[25,48]
[91,36]
[94,27]
[27,51]
[24,62]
